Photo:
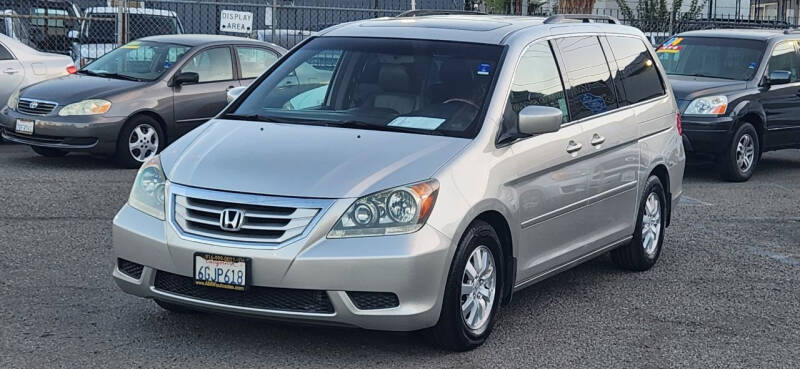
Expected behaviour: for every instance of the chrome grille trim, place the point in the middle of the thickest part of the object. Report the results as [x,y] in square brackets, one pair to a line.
[269,221]
[43,107]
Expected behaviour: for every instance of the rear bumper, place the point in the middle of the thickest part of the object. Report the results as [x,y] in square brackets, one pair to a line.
[706,135]
[96,134]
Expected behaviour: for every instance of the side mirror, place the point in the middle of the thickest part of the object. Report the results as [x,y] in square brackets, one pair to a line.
[73,35]
[779,77]
[534,120]
[233,93]
[184,78]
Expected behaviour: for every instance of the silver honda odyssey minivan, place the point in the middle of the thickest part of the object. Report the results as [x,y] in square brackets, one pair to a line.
[412,174]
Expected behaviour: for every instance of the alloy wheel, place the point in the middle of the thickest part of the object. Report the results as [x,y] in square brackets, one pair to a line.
[745,153]
[143,142]
[651,225]
[478,287]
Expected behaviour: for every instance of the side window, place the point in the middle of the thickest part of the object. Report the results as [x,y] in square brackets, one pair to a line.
[537,81]
[253,61]
[784,57]
[638,73]
[5,54]
[211,65]
[591,91]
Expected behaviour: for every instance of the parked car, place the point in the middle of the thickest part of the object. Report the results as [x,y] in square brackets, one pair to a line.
[739,94]
[21,66]
[444,168]
[48,22]
[132,101]
[11,25]
[98,34]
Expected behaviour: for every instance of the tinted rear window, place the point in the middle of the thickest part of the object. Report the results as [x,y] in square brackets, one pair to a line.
[638,72]
[714,57]
[590,88]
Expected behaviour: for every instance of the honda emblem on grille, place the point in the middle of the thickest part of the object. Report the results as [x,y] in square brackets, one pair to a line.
[231,220]
[34,104]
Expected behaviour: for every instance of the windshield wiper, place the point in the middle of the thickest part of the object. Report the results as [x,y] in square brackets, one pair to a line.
[110,75]
[379,127]
[271,119]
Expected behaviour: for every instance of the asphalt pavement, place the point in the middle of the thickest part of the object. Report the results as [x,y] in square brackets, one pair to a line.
[725,293]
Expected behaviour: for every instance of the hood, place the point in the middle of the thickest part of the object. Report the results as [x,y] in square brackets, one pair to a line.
[77,87]
[688,88]
[303,161]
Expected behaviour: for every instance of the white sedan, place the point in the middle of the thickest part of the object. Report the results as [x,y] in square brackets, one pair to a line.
[22,66]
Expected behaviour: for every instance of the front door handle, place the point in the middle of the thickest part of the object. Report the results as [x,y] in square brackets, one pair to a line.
[573,147]
[11,71]
[597,140]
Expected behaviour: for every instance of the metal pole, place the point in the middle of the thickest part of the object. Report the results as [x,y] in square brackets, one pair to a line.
[413,4]
[274,10]
[120,22]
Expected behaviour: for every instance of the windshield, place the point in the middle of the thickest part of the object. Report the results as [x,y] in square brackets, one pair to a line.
[711,57]
[137,60]
[416,86]
[102,28]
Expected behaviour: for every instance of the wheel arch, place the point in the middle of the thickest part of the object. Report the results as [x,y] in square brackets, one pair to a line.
[155,116]
[500,224]
[661,171]
[753,113]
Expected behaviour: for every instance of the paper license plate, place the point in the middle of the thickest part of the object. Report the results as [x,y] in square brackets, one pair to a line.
[220,271]
[24,126]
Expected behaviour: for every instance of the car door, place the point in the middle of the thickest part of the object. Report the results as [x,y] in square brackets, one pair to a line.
[12,73]
[782,102]
[196,103]
[551,182]
[253,61]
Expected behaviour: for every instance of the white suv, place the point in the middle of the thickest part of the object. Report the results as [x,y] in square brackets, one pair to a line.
[444,163]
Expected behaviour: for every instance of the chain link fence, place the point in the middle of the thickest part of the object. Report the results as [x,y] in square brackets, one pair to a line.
[87,29]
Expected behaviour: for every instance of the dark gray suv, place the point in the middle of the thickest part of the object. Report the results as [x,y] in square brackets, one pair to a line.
[133,101]
[738,92]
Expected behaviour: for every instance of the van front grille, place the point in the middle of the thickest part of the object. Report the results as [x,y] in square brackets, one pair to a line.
[264,220]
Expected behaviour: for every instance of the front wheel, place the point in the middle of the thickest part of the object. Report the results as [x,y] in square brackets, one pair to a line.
[740,159]
[473,289]
[648,237]
[139,141]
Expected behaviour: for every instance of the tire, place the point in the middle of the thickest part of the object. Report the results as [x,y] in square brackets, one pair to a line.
[645,247]
[138,129]
[174,308]
[740,159]
[454,331]
[49,152]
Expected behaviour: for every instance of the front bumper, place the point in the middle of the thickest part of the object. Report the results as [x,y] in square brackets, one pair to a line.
[92,133]
[703,135]
[411,266]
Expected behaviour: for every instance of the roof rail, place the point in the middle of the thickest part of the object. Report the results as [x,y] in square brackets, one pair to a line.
[423,12]
[584,18]
[791,31]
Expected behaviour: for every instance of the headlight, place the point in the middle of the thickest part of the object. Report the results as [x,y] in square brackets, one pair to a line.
[398,210]
[712,105]
[13,100]
[148,190]
[86,107]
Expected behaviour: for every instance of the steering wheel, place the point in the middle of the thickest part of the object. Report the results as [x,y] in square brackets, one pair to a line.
[463,101]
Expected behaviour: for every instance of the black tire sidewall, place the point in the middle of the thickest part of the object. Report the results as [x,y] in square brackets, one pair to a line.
[451,320]
[123,155]
[653,185]
[731,168]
